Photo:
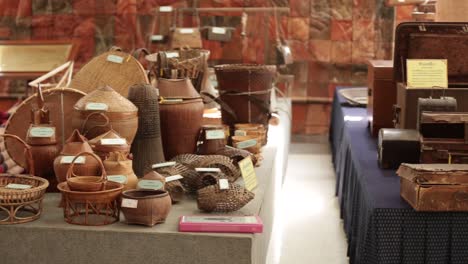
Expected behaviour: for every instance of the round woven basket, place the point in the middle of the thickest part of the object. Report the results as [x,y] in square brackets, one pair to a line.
[117,69]
[212,199]
[152,208]
[86,183]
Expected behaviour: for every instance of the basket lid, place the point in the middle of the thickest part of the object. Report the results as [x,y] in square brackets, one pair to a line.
[113,101]
[115,68]
[429,40]
[75,144]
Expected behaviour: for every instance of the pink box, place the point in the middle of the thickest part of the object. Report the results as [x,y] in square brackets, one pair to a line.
[221,224]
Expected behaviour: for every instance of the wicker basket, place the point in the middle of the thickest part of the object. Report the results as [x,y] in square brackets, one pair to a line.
[212,139]
[236,154]
[86,183]
[91,208]
[224,163]
[119,168]
[247,129]
[103,150]
[212,199]
[182,170]
[253,144]
[153,206]
[177,88]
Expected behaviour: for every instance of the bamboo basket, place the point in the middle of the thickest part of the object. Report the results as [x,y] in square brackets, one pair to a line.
[104,150]
[253,144]
[153,207]
[212,199]
[88,183]
[119,165]
[224,163]
[212,139]
[117,69]
[91,208]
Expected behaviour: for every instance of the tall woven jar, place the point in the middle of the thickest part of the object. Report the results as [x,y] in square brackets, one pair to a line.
[245,91]
[104,108]
[181,116]
[147,147]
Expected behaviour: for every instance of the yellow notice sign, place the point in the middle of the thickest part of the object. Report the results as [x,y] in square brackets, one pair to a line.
[427,73]
[248,173]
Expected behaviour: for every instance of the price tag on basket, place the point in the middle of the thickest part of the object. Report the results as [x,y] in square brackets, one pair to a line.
[247,144]
[42,132]
[17,186]
[113,141]
[115,59]
[207,169]
[150,184]
[118,178]
[163,164]
[129,203]
[248,173]
[173,178]
[69,159]
[241,133]
[215,134]
[96,106]
[218,30]
[223,184]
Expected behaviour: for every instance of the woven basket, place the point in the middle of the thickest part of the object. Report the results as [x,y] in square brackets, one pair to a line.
[106,69]
[103,150]
[212,139]
[189,175]
[212,199]
[224,163]
[117,164]
[245,91]
[152,208]
[177,88]
[91,208]
[86,183]
[176,190]
[248,129]
[147,148]
[59,101]
[236,154]
[253,144]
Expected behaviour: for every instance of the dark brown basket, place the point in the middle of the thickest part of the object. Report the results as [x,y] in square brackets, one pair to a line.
[86,183]
[224,163]
[182,170]
[153,207]
[212,199]
[208,145]
[236,154]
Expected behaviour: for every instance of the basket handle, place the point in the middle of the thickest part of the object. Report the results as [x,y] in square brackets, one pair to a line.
[70,172]
[137,52]
[27,150]
[106,124]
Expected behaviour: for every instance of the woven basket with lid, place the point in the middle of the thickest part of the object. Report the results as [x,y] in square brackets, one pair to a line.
[104,107]
[103,149]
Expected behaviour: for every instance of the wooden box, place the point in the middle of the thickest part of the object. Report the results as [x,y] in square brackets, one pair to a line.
[398,146]
[382,95]
[435,187]
[430,41]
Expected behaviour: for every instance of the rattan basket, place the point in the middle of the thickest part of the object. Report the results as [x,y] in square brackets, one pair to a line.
[86,183]
[212,199]
[152,208]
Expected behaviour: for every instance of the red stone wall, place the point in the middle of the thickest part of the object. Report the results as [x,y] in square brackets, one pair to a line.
[330,39]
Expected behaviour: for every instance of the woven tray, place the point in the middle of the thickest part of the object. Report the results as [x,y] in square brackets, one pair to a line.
[58,101]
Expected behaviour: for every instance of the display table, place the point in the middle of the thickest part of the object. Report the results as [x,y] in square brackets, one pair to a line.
[51,240]
[381,227]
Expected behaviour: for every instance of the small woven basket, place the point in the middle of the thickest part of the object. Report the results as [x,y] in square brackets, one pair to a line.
[182,170]
[86,183]
[153,206]
[241,143]
[212,199]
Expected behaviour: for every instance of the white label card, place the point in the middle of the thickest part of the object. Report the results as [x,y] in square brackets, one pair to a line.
[223,184]
[173,178]
[186,30]
[215,134]
[163,164]
[172,55]
[150,184]
[129,203]
[69,159]
[247,144]
[96,106]
[218,30]
[118,178]
[113,141]
[165,9]
[241,133]
[115,59]
[207,169]
[157,37]
[17,186]
[42,132]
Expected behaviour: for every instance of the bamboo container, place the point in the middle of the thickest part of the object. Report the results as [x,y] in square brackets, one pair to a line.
[212,139]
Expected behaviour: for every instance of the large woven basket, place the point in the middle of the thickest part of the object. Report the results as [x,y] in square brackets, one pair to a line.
[212,199]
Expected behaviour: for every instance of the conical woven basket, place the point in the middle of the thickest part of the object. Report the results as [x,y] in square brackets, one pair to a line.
[147,146]
[117,69]
[212,199]
[103,150]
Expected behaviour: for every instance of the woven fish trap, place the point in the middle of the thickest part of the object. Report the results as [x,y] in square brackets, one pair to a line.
[189,160]
[212,199]
[182,170]
[237,154]
[21,206]
[224,163]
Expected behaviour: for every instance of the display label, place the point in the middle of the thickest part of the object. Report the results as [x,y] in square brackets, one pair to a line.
[113,141]
[247,144]
[186,30]
[115,59]
[157,37]
[163,164]
[118,178]
[165,9]
[150,184]
[17,186]
[69,159]
[172,100]
[96,106]
[218,30]
[172,55]
[129,203]
[220,219]
[427,73]
[215,134]
[240,133]
[42,132]
[173,178]
[223,184]
[248,173]
[207,169]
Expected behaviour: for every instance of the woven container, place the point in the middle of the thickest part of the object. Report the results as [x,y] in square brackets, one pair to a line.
[247,129]
[253,144]
[212,139]
[176,191]
[236,155]
[119,169]
[182,170]
[75,144]
[59,102]
[245,91]
[151,176]
[88,183]
[224,163]
[147,147]
[91,208]
[177,88]
[180,125]
[117,69]
[212,199]
[152,208]
[114,110]
[103,148]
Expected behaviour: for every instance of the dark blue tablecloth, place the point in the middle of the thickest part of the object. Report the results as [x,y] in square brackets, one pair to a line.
[381,227]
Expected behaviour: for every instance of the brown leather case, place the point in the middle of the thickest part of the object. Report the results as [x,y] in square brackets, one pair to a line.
[444,104]
[430,41]
[382,95]
[434,187]
[398,146]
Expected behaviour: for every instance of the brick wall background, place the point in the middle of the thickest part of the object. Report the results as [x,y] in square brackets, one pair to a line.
[330,39]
